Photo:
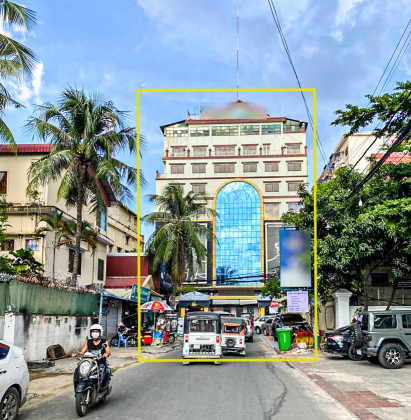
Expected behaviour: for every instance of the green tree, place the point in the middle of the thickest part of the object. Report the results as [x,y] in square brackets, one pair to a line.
[176,240]
[272,288]
[354,240]
[86,134]
[390,107]
[16,60]
[62,232]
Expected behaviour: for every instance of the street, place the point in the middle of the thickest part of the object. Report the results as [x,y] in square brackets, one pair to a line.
[201,391]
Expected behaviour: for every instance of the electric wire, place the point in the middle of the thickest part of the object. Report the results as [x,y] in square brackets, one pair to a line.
[287,50]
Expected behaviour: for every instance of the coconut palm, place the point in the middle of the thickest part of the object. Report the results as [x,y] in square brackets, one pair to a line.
[16,60]
[176,240]
[86,133]
[62,232]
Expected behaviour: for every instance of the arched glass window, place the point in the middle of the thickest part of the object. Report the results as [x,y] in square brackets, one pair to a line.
[238,232]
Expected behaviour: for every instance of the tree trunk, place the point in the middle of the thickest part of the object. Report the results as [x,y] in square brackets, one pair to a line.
[365,291]
[79,219]
[53,269]
[394,289]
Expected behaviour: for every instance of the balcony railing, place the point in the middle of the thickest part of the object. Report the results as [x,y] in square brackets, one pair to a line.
[236,152]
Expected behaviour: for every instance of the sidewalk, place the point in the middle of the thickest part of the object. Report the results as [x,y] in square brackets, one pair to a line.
[45,383]
[368,391]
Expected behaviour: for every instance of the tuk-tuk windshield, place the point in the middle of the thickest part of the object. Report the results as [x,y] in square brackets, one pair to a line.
[202,326]
[233,328]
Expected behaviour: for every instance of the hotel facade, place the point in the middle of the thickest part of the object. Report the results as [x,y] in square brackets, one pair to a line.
[250,166]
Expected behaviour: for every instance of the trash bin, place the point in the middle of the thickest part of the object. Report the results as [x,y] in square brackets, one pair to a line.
[284,338]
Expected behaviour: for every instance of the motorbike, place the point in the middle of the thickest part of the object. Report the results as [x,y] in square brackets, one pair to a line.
[130,334]
[88,388]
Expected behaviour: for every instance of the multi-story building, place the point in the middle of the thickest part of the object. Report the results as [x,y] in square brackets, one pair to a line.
[250,166]
[351,149]
[116,227]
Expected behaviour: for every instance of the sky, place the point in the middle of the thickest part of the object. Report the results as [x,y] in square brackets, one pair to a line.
[339,47]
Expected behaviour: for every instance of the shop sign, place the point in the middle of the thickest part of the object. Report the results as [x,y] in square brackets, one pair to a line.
[297,301]
[166,283]
[144,294]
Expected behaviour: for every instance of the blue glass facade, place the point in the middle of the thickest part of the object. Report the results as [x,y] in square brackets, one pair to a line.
[238,233]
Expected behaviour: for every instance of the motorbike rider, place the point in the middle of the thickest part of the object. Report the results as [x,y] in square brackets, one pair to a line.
[95,345]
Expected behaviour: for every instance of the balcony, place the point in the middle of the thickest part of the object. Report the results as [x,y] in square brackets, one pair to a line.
[236,151]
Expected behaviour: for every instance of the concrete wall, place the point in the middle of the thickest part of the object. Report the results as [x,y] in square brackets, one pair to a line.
[34,333]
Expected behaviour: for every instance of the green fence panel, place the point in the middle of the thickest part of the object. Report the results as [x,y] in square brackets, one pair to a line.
[36,299]
[4,288]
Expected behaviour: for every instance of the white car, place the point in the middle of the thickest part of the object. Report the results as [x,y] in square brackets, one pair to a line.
[14,380]
[258,324]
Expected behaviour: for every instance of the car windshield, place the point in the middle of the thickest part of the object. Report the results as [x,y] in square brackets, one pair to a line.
[203,326]
[293,318]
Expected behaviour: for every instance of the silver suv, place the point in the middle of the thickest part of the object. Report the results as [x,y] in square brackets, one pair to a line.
[384,337]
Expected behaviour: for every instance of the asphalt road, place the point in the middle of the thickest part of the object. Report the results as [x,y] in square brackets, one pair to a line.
[203,391]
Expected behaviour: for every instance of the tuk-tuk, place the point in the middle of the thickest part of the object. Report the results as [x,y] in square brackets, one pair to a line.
[233,333]
[202,336]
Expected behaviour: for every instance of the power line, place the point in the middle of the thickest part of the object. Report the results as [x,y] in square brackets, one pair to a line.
[287,50]
[392,55]
[387,125]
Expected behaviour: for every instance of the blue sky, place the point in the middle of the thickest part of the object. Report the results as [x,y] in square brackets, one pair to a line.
[339,47]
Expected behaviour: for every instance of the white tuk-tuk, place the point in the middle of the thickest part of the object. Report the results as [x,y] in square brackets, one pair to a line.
[202,337]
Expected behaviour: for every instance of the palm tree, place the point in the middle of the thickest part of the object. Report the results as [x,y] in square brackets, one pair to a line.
[16,60]
[176,240]
[86,134]
[61,229]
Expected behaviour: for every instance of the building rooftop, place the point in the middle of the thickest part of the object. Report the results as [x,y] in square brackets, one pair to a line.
[26,148]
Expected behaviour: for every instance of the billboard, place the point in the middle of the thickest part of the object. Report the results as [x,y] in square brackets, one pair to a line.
[297,302]
[295,258]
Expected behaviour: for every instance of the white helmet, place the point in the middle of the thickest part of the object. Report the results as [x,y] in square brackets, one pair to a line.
[96,327]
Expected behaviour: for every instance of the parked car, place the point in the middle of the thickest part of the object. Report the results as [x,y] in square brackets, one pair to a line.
[14,380]
[248,316]
[249,334]
[295,321]
[267,326]
[384,337]
[339,342]
[258,323]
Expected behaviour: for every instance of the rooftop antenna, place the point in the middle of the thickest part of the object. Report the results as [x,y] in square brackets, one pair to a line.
[238,42]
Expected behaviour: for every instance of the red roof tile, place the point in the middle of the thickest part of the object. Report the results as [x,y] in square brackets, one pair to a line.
[395,158]
[122,282]
[27,148]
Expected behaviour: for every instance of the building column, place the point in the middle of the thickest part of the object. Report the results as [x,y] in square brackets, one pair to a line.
[9,327]
[262,311]
[342,307]
[205,309]
[182,312]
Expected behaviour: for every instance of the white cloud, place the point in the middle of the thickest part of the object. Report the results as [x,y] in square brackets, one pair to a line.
[344,10]
[30,90]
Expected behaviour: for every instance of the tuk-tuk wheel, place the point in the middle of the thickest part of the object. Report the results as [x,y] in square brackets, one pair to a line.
[186,363]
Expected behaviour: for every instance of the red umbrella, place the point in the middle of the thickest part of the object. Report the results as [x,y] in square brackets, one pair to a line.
[155,306]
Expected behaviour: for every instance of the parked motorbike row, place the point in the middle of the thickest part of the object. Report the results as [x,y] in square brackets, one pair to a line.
[131,335]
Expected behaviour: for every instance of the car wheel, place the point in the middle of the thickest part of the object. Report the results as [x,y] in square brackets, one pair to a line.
[356,335]
[391,356]
[373,360]
[352,354]
[10,404]
[258,330]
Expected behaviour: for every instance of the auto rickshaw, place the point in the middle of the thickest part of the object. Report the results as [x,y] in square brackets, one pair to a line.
[202,337]
[233,334]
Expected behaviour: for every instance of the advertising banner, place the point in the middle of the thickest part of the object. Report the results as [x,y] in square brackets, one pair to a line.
[295,258]
[297,301]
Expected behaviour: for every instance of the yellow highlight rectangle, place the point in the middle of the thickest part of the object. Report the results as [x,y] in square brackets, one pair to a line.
[140,359]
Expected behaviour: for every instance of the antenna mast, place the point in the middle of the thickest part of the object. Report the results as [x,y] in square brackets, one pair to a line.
[238,42]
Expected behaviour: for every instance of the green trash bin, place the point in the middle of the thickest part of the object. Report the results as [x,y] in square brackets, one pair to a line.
[284,338]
